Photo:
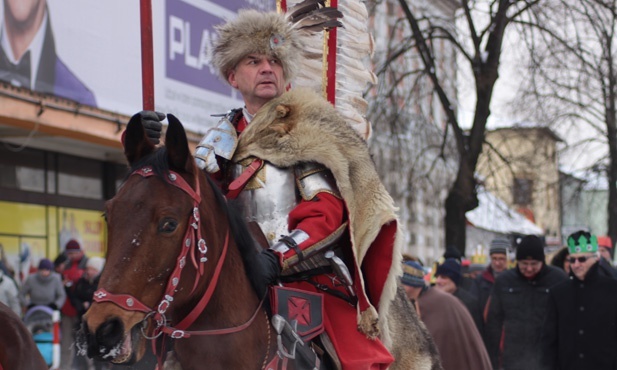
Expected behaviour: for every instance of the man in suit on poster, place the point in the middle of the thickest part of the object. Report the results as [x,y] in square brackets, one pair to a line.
[28,53]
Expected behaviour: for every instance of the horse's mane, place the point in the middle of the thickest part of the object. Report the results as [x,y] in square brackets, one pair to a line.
[239,231]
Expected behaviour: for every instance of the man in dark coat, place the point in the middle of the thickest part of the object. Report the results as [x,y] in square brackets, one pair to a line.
[483,284]
[517,308]
[580,332]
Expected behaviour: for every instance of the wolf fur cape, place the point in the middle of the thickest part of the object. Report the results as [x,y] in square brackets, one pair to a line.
[300,126]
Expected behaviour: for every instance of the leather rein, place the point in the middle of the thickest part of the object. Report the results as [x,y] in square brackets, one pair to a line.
[193,244]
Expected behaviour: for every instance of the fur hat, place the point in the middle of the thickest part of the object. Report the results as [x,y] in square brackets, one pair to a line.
[413,274]
[254,32]
[530,247]
[499,245]
[582,242]
[450,268]
[96,263]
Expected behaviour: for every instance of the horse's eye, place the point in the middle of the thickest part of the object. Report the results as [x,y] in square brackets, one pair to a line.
[168,225]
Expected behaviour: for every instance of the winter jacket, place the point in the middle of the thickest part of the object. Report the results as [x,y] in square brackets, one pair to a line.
[517,309]
[73,272]
[9,294]
[580,331]
[83,292]
[605,268]
[43,290]
[482,287]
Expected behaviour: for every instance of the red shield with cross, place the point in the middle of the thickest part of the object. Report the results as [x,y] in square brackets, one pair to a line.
[304,307]
[299,309]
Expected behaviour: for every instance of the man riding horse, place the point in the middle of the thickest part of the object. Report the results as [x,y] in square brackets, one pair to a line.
[297,213]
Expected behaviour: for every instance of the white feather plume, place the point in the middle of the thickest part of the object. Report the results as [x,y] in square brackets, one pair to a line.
[353,73]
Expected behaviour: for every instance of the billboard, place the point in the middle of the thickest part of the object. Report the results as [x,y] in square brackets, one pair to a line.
[90,51]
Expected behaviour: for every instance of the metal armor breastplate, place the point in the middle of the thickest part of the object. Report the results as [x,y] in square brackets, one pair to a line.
[268,198]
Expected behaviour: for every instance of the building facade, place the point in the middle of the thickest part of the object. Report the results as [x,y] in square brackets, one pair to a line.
[520,166]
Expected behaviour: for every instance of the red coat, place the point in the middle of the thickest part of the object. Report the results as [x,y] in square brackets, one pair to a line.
[71,275]
[320,218]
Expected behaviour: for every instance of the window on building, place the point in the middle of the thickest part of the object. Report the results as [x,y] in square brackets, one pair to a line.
[80,177]
[23,169]
[522,189]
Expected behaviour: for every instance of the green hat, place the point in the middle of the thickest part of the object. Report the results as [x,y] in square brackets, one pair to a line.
[583,244]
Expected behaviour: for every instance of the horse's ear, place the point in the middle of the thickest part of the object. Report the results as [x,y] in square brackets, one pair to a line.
[177,145]
[136,143]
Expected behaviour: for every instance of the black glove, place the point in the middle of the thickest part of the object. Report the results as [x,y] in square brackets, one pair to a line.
[53,306]
[152,124]
[268,270]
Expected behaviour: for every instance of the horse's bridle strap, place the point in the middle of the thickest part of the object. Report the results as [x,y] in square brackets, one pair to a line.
[125,301]
[190,243]
[177,333]
[203,302]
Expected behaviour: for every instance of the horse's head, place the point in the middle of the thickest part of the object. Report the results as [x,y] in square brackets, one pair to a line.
[146,221]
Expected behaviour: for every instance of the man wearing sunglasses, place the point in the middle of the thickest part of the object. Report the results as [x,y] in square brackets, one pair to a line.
[580,328]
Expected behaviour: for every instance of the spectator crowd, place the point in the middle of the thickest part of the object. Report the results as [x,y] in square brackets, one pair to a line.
[524,314]
[67,285]
[520,314]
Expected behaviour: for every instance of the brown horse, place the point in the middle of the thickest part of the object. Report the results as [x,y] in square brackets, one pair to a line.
[17,348]
[162,279]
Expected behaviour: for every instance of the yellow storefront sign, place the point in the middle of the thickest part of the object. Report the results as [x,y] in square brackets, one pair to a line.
[29,232]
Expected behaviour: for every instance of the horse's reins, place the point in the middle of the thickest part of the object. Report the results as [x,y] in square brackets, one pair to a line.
[192,242]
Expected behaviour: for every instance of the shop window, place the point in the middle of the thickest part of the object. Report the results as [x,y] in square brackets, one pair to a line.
[22,169]
[80,177]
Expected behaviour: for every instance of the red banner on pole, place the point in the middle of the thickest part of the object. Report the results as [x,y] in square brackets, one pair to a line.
[147,59]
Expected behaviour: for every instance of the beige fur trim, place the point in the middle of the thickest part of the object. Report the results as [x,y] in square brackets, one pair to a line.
[368,323]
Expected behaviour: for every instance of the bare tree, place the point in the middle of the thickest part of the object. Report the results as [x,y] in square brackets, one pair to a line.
[572,49]
[479,44]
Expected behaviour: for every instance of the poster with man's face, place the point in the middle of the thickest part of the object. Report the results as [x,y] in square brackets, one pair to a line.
[89,51]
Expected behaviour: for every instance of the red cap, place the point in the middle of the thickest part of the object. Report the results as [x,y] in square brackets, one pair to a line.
[605,241]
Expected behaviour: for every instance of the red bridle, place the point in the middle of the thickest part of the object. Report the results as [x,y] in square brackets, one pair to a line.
[192,243]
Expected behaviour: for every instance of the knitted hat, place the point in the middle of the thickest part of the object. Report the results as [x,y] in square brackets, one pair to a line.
[413,274]
[450,268]
[582,242]
[452,252]
[499,245]
[605,241]
[96,263]
[530,247]
[73,245]
[46,264]
[62,258]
